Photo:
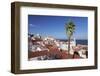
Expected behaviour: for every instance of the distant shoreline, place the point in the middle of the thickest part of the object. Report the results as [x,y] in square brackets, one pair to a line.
[78,41]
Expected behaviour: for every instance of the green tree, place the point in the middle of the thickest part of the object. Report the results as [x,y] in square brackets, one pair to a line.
[70,28]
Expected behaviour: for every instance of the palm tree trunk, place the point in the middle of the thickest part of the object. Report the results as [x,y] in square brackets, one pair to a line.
[69,45]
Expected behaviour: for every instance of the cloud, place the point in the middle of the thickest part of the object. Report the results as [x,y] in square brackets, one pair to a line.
[32,25]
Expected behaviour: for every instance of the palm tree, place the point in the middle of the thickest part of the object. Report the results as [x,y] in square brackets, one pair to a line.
[70,28]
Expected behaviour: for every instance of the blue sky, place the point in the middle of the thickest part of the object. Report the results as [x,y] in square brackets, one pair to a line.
[55,26]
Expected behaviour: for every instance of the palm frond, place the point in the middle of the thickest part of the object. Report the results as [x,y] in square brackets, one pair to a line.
[70,28]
